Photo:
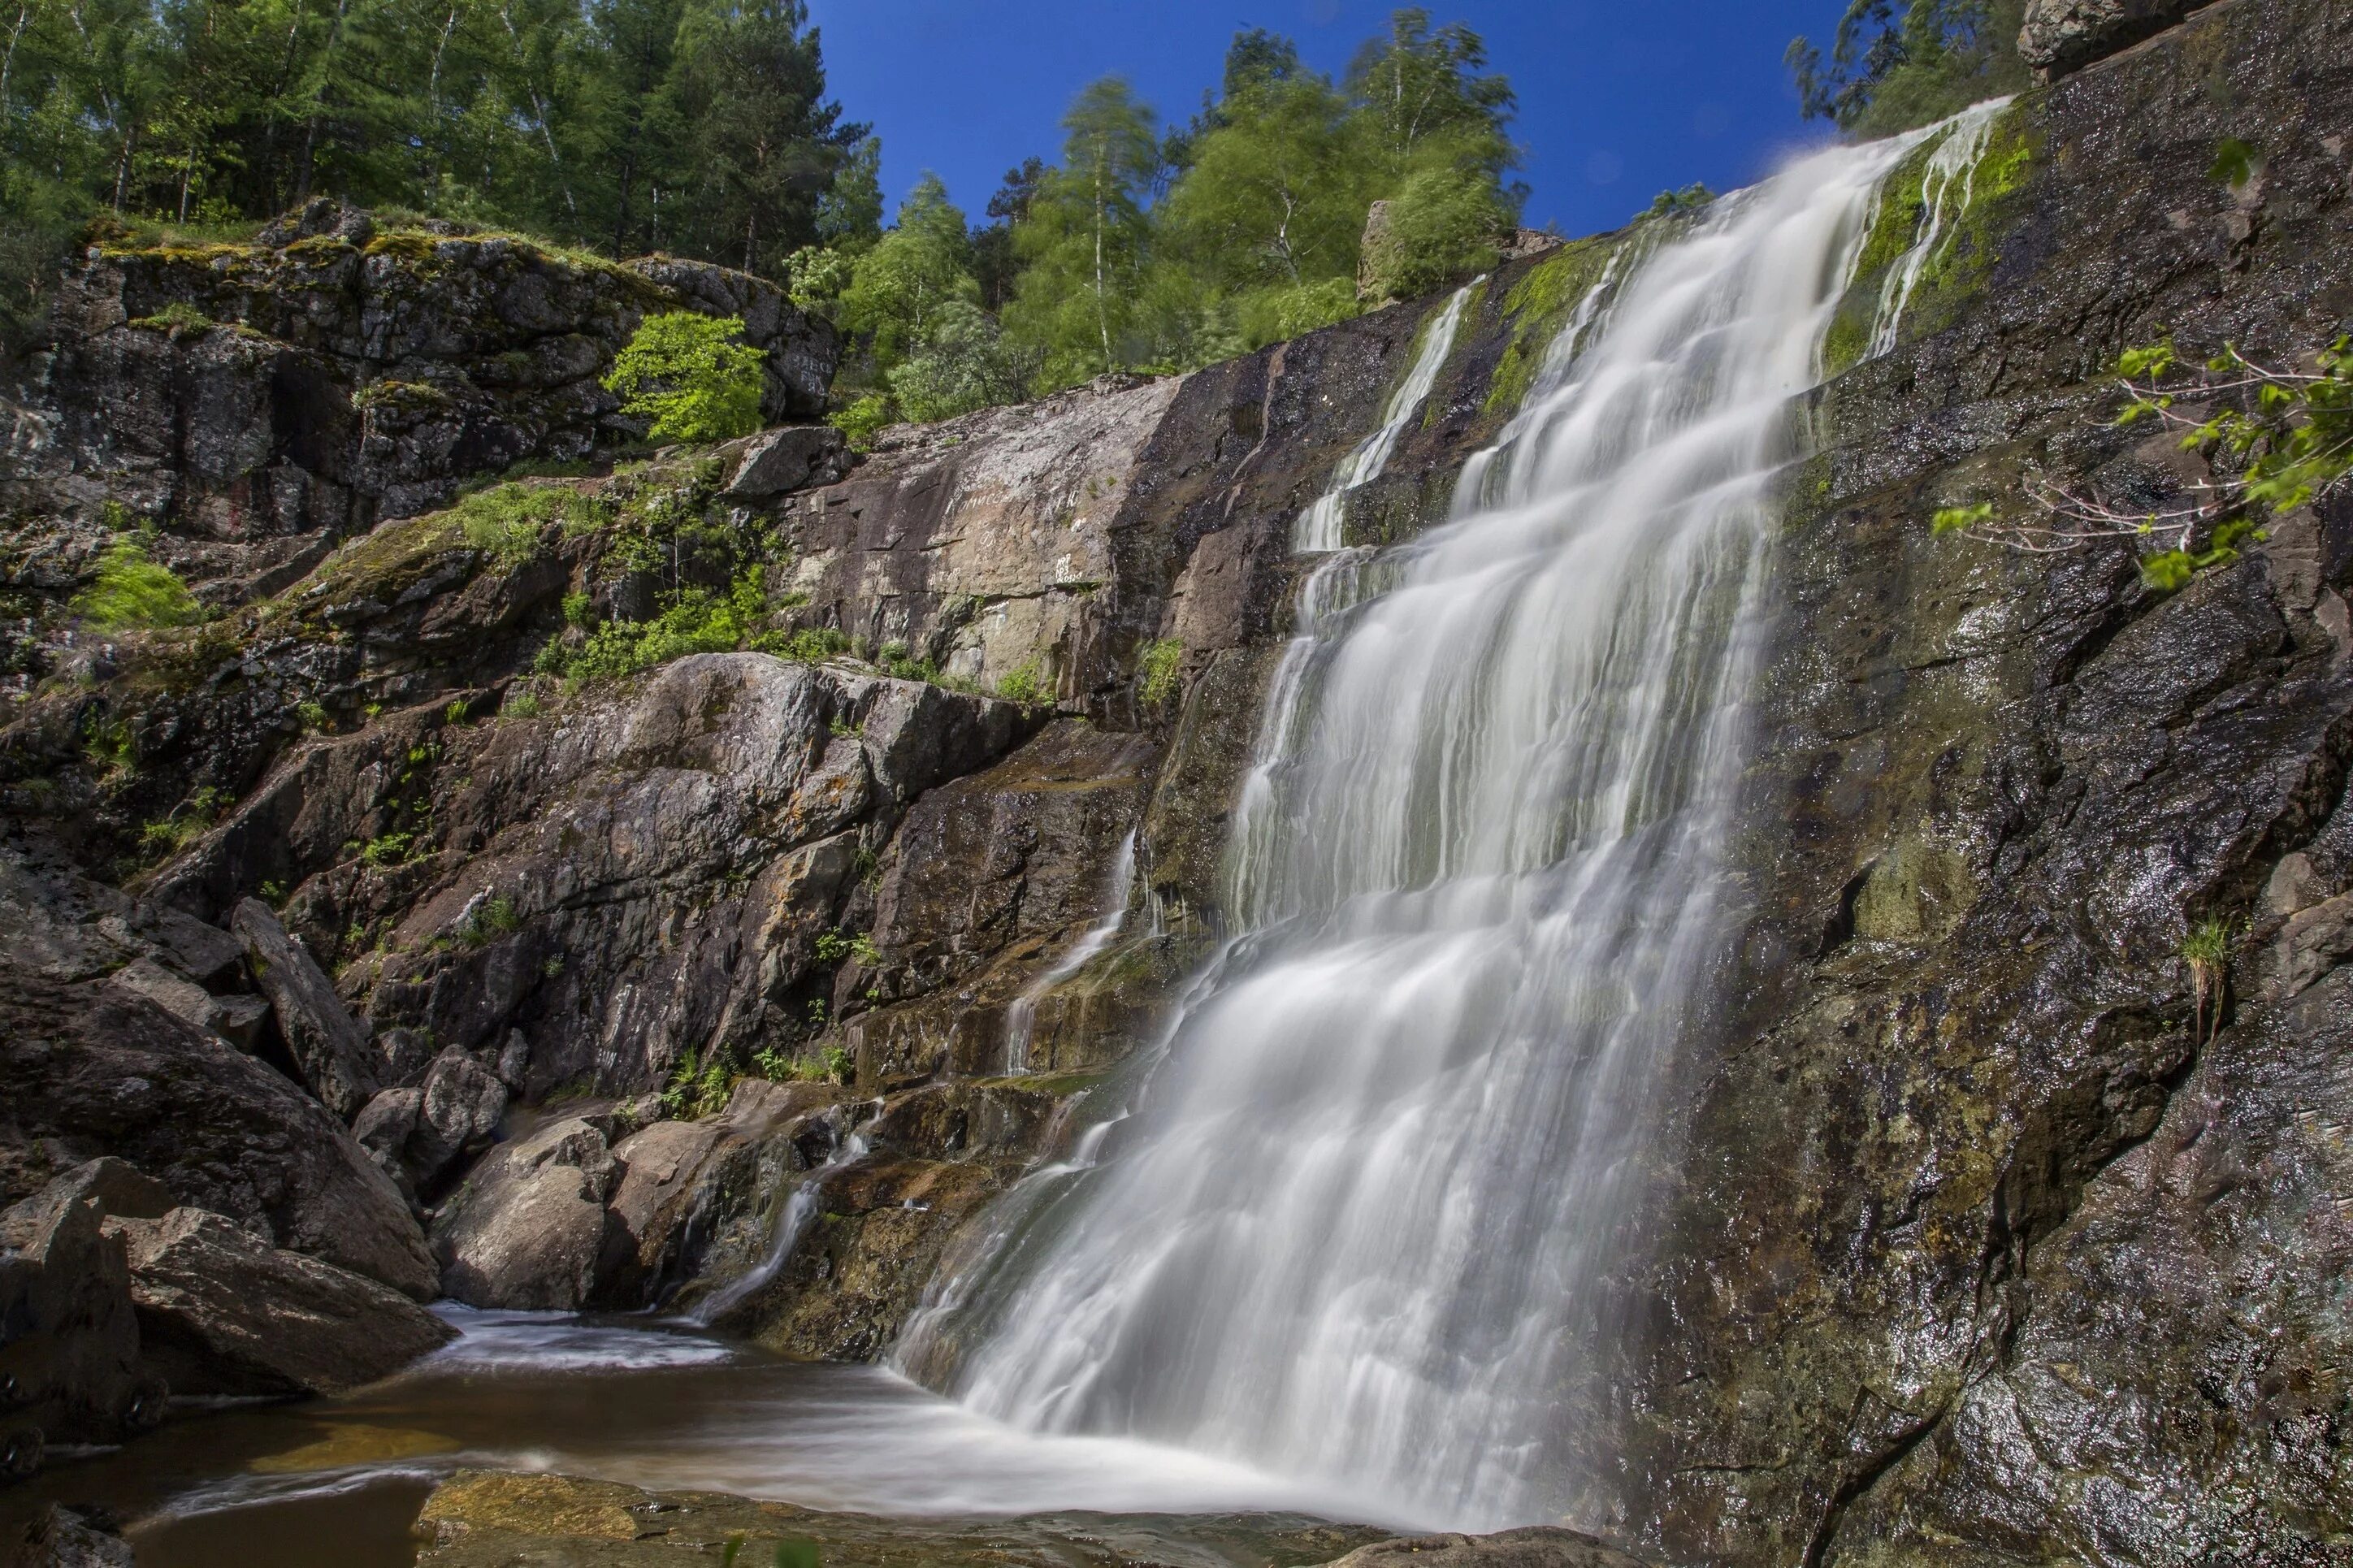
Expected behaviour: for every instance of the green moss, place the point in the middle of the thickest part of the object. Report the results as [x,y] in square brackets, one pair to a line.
[175,318]
[134,591]
[1539,306]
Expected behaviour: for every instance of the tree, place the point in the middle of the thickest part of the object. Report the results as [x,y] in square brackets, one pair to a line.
[1084,243]
[995,263]
[899,287]
[1896,64]
[691,374]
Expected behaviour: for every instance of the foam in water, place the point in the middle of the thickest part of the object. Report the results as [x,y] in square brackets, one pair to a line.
[1321,525]
[1356,1231]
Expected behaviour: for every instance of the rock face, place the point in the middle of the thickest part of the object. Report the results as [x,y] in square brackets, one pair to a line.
[2064,36]
[88,1069]
[221,1312]
[529,1228]
[69,1538]
[329,1047]
[69,1348]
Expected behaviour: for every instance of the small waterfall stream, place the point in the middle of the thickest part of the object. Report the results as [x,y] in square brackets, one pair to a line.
[1356,1229]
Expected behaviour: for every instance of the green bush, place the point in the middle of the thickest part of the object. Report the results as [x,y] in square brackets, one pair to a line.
[862,418]
[175,318]
[1159,671]
[134,592]
[692,376]
[1442,227]
[506,520]
[697,621]
[1024,685]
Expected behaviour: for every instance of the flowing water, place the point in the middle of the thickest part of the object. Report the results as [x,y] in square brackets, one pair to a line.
[1320,526]
[1021,1017]
[1356,1230]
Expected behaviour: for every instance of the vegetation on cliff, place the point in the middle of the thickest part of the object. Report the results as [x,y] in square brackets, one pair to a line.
[1896,64]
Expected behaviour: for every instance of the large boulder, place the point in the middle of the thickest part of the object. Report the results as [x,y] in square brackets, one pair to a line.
[2062,36]
[88,1069]
[223,1312]
[70,1363]
[62,1537]
[328,1043]
[528,1228]
[421,1136]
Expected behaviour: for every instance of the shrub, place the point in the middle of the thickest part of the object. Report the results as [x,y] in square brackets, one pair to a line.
[520,703]
[697,621]
[387,848]
[506,518]
[175,318]
[1024,685]
[134,591]
[496,917]
[690,376]
[1443,225]
[862,419]
[1159,671]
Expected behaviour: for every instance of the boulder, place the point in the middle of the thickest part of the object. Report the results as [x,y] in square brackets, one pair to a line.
[400,1058]
[384,1128]
[223,1312]
[237,1020]
[69,1361]
[528,1228]
[458,1116]
[2062,36]
[662,1168]
[89,1069]
[1538,1546]
[328,1043]
[776,461]
[64,1537]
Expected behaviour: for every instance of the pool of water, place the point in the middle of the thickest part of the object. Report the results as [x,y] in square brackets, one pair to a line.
[660,1405]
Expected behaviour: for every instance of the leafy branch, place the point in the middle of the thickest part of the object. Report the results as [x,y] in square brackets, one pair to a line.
[2280,440]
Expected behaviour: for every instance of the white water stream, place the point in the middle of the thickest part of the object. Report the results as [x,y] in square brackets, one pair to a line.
[1322,525]
[1358,1230]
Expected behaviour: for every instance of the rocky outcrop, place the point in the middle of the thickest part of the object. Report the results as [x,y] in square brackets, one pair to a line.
[87,1069]
[329,1046]
[65,1537]
[2064,36]
[221,1312]
[529,1228]
[70,1370]
[480,1518]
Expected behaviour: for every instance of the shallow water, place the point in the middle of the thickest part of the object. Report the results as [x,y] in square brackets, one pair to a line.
[665,1406]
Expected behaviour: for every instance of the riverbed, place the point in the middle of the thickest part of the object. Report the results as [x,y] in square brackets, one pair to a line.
[663,1406]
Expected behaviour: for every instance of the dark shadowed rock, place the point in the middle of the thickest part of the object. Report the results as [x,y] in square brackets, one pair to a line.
[328,1043]
[64,1537]
[2062,36]
[88,1069]
[458,1116]
[1539,1546]
[384,1128]
[70,1363]
[528,1227]
[223,1312]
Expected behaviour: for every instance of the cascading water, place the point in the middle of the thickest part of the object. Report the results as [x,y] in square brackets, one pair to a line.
[1357,1229]
[1320,526]
[1021,1017]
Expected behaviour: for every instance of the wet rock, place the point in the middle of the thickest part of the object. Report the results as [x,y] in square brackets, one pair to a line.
[2064,36]
[528,1227]
[1539,1546]
[491,1519]
[328,1043]
[88,1069]
[663,1170]
[69,1356]
[66,1537]
[223,1312]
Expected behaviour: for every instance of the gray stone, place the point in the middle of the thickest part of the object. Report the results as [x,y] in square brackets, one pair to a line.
[528,1228]
[776,461]
[401,1058]
[384,1128]
[64,1537]
[69,1361]
[221,1312]
[458,1116]
[239,1019]
[2064,36]
[328,1043]
[181,998]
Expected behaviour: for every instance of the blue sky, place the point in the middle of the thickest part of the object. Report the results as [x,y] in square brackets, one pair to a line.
[1617,102]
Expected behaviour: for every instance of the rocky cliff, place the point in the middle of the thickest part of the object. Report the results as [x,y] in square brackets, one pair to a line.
[1974,1238]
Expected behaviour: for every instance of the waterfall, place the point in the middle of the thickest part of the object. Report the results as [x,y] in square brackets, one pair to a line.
[1321,526]
[1359,1226]
[1022,1018]
[1947,185]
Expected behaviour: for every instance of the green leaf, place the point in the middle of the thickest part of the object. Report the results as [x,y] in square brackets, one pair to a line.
[2235,163]
[1951,519]
[2166,573]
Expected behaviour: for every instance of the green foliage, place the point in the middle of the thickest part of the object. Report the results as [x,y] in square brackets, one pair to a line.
[521,703]
[688,375]
[697,1087]
[899,287]
[495,916]
[387,848]
[1443,223]
[1160,671]
[176,318]
[2235,163]
[831,946]
[1898,64]
[2206,950]
[862,417]
[507,519]
[314,717]
[580,610]
[1024,685]
[832,1066]
[696,621]
[962,363]
[190,817]
[132,591]
[456,712]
